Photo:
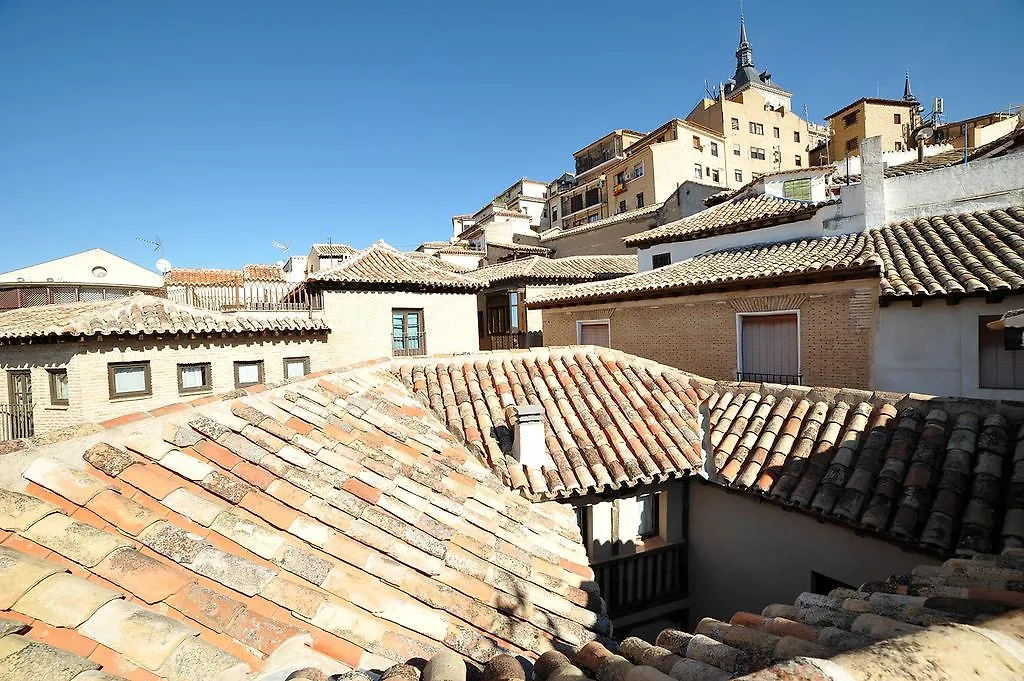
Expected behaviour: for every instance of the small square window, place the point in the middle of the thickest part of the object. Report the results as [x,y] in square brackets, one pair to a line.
[851,145]
[757,153]
[850,119]
[756,128]
[736,151]
[714,148]
[194,378]
[622,206]
[798,161]
[698,171]
[696,142]
[714,176]
[777,133]
[660,260]
[129,379]
[735,124]
[248,373]
[897,119]
[640,200]
[738,175]
[59,394]
[796,136]
[296,367]
[647,506]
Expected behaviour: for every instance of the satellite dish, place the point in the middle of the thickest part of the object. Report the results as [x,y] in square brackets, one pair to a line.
[163,265]
[280,263]
[925,132]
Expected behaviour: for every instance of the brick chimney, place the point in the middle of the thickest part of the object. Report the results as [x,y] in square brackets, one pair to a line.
[528,446]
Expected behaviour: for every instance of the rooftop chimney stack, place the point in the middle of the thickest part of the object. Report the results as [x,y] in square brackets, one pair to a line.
[528,447]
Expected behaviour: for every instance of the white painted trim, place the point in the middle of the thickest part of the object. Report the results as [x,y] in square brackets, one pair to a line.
[799,336]
[581,322]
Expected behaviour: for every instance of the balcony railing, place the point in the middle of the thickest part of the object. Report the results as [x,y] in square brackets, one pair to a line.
[15,422]
[409,346]
[643,580]
[757,377]
[513,340]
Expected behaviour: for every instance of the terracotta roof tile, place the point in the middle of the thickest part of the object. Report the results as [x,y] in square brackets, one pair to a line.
[437,261]
[527,249]
[137,315]
[947,255]
[382,266]
[262,273]
[627,216]
[570,269]
[334,250]
[904,627]
[202,276]
[356,543]
[733,215]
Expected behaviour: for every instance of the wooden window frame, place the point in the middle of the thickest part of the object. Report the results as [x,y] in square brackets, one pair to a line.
[208,378]
[640,200]
[799,336]
[238,363]
[52,377]
[1016,356]
[581,322]
[305,365]
[112,367]
[656,529]
[404,311]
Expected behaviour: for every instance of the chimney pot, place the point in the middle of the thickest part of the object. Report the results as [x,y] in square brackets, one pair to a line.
[528,447]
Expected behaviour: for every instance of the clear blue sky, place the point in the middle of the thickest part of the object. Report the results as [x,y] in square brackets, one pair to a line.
[221,125]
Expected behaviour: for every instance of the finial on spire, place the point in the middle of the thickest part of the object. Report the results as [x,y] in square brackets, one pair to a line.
[908,95]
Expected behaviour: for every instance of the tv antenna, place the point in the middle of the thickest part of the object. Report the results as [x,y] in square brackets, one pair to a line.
[280,246]
[156,242]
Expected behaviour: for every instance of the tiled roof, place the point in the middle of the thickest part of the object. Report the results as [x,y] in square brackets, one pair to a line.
[980,253]
[334,250]
[433,244]
[202,276]
[627,216]
[959,620]
[520,248]
[611,419]
[137,315]
[381,266]
[942,160]
[263,273]
[459,249]
[919,471]
[848,255]
[437,262]
[1014,319]
[732,215]
[569,269]
[331,522]
[719,197]
[952,255]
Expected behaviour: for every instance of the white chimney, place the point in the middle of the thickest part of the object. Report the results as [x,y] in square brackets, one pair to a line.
[528,446]
[872,175]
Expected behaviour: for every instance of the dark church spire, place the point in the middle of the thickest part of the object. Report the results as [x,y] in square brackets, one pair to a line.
[746,72]
[907,94]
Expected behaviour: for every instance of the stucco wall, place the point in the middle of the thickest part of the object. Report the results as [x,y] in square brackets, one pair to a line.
[360,322]
[599,241]
[698,333]
[933,349]
[745,555]
[86,365]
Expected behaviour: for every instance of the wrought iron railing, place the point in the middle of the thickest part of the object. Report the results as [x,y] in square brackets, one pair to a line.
[512,341]
[642,580]
[15,422]
[758,377]
[409,346]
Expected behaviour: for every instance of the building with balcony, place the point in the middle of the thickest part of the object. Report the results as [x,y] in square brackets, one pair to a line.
[95,274]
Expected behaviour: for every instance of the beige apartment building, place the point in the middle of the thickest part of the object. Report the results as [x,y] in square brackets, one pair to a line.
[756,117]
[893,120]
[979,130]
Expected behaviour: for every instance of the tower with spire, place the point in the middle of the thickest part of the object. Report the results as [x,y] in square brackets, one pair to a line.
[747,74]
[908,96]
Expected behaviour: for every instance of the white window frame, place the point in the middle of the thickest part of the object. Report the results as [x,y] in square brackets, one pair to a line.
[799,336]
[579,328]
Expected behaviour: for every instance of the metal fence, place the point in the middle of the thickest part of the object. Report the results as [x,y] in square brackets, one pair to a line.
[512,341]
[411,345]
[784,379]
[15,422]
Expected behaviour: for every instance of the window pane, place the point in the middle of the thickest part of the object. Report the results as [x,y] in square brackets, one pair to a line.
[192,376]
[648,509]
[60,385]
[595,334]
[295,368]
[129,380]
[248,373]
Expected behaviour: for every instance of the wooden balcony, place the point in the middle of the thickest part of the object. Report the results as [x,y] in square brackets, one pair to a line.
[643,580]
[513,340]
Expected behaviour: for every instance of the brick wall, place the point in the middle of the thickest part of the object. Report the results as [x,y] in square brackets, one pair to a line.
[86,365]
[698,333]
